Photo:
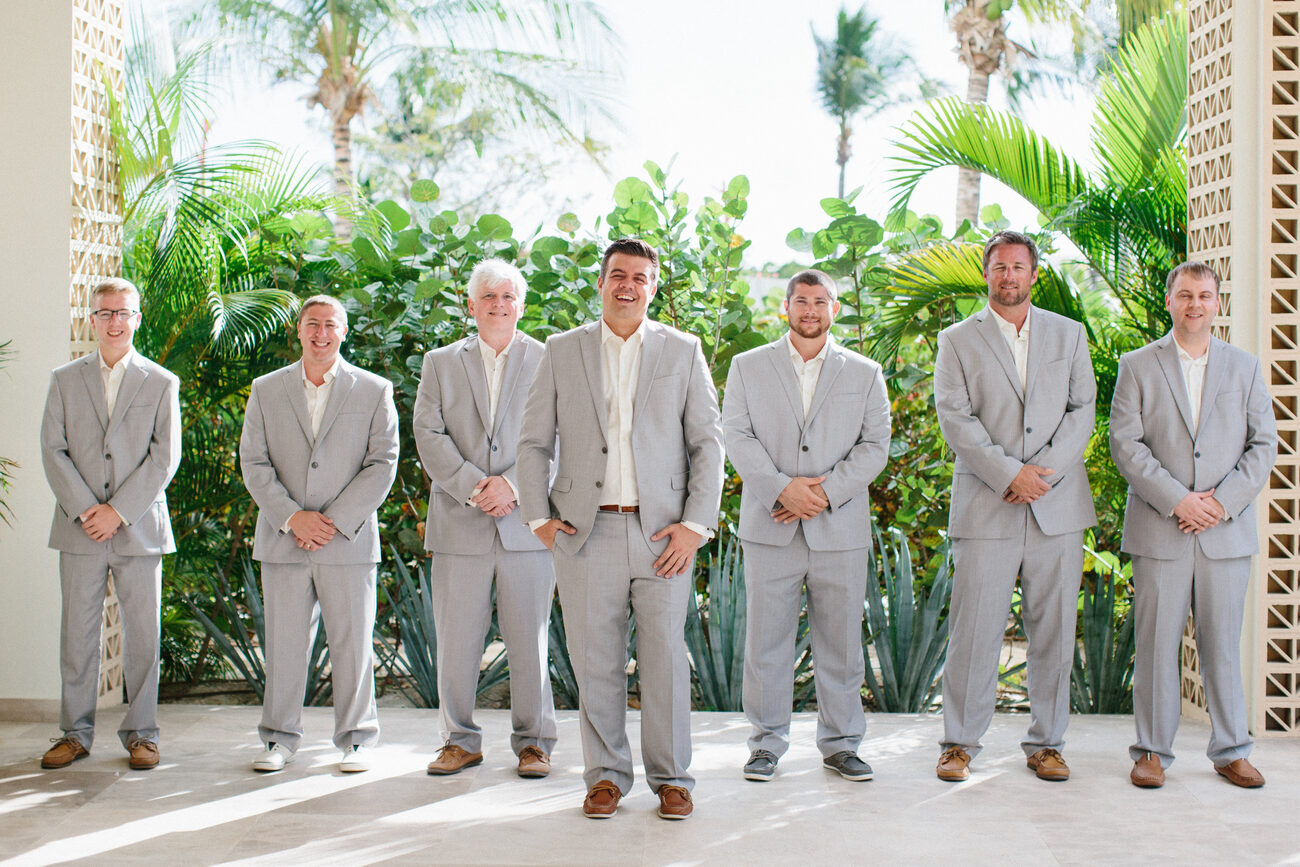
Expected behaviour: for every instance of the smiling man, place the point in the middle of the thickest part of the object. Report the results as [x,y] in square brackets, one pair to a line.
[110,443]
[636,490]
[807,428]
[1192,430]
[1014,391]
[319,454]
[467,415]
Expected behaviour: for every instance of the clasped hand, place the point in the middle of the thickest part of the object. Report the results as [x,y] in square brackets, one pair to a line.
[1198,512]
[311,530]
[100,522]
[1028,485]
[494,496]
[803,498]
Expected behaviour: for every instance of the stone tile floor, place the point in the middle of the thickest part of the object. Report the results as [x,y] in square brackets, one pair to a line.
[203,805]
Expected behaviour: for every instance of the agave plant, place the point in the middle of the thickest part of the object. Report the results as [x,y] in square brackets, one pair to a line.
[1128,218]
[715,633]
[1102,678]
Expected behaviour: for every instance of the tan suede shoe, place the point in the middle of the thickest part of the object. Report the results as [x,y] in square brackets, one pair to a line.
[602,800]
[143,755]
[1241,773]
[954,765]
[1147,773]
[65,751]
[452,760]
[1048,765]
[533,762]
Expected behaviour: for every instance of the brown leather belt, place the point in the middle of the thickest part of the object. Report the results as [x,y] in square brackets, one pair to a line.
[620,508]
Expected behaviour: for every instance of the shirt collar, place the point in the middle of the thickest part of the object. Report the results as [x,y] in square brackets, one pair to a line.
[820,356]
[122,363]
[607,333]
[1186,357]
[1009,328]
[328,377]
[491,354]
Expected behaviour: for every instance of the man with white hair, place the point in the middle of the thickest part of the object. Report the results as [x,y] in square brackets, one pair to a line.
[467,416]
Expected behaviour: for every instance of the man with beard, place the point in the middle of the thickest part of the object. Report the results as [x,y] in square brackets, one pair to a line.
[806,424]
[1017,408]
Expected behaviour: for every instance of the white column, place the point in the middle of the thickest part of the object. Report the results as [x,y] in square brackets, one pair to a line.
[36,153]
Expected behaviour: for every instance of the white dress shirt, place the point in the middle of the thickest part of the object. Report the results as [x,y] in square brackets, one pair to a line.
[494,368]
[807,373]
[1193,380]
[318,396]
[1018,343]
[112,377]
[621,362]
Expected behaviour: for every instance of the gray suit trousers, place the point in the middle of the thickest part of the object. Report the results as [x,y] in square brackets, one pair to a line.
[462,613]
[1050,570]
[1215,591]
[298,596]
[610,577]
[138,580]
[837,586]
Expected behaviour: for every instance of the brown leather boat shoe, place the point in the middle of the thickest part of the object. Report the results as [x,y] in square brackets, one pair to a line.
[65,751]
[954,765]
[1241,773]
[602,800]
[1048,765]
[533,762]
[674,802]
[452,760]
[143,755]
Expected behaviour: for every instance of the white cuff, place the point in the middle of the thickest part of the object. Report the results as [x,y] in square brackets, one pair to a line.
[698,528]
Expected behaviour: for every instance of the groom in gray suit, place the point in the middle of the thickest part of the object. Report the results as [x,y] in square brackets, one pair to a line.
[110,443]
[319,454]
[1015,394]
[1192,430]
[467,416]
[636,491]
[807,428]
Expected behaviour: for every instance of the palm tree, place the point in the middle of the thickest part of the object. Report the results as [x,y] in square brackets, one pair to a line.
[344,49]
[859,73]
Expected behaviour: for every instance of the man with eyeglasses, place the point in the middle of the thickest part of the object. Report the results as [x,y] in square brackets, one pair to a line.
[110,443]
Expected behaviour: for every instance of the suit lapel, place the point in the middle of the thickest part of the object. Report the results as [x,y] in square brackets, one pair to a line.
[1168,355]
[592,363]
[95,386]
[478,386]
[1039,335]
[779,357]
[1213,379]
[343,382]
[652,350]
[514,363]
[292,381]
[987,326]
[132,378]
[831,368]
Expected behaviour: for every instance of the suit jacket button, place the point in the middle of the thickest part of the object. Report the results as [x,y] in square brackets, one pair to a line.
[106,486]
[314,465]
[604,450]
[1029,430]
[494,448]
[598,484]
[108,457]
[805,448]
[1198,454]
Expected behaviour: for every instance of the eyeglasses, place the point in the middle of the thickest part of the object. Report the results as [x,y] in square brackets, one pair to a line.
[110,315]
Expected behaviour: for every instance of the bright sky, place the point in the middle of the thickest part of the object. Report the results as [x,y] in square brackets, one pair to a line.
[729,88]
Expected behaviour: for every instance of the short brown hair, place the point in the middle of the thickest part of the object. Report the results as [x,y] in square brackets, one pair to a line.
[630,247]
[812,277]
[317,301]
[1008,238]
[112,285]
[1195,270]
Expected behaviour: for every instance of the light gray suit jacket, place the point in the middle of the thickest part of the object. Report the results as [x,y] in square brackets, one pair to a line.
[995,427]
[345,474]
[844,437]
[1151,440]
[676,437]
[459,443]
[125,461]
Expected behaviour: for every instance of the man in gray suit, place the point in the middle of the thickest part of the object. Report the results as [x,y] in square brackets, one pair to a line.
[1015,395]
[467,416]
[807,428]
[636,491]
[1192,430]
[318,454]
[110,443]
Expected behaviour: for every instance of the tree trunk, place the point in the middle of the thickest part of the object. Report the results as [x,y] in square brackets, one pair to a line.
[843,151]
[968,180]
[343,186]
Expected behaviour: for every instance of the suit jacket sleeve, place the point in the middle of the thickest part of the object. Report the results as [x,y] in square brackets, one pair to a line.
[1135,461]
[70,489]
[964,433]
[1244,482]
[751,460]
[856,470]
[368,489]
[260,475]
[702,428]
[439,454]
[141,489]
[1065,449]
[537,440]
